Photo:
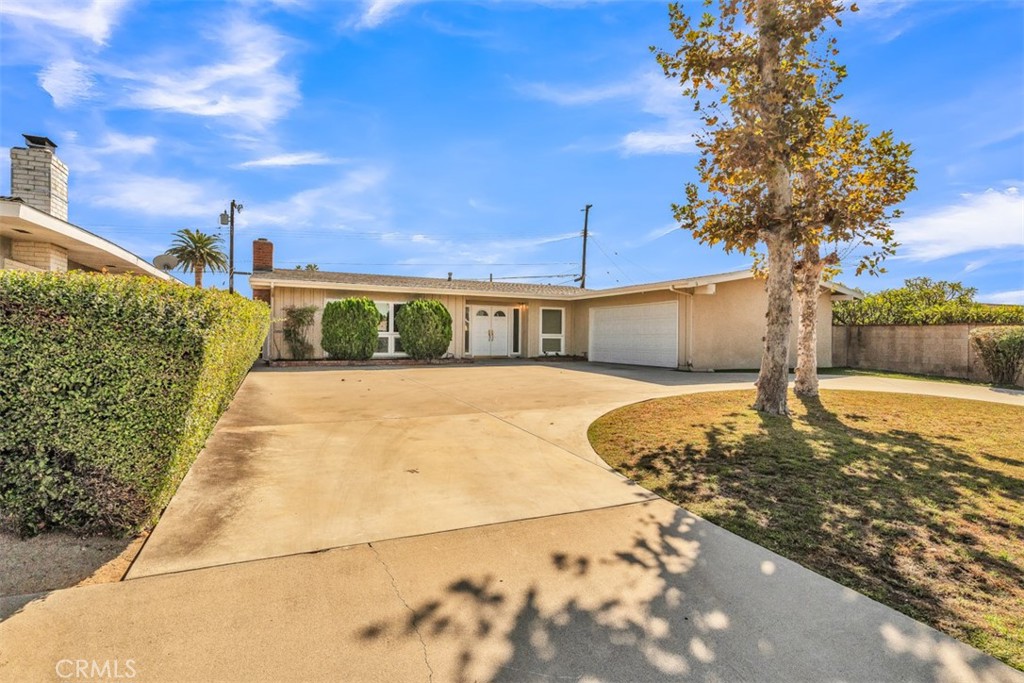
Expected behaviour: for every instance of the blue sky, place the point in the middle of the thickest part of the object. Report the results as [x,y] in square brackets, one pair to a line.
[425,137]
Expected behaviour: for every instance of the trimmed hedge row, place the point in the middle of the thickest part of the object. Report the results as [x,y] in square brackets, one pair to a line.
[109,386]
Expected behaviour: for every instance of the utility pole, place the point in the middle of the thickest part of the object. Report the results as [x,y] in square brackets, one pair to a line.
[583,273]
[229,219]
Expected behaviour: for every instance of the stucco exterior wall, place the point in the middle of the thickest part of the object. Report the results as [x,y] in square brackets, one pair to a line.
[728,327]
[940,350]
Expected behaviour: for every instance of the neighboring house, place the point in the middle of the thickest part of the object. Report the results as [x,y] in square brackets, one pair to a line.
[700,323]
[34,230]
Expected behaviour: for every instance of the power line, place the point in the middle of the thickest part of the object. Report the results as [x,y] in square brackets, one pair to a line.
[612,261]
[520,277]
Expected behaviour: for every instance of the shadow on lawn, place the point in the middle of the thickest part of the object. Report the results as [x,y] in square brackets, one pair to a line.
[904,518]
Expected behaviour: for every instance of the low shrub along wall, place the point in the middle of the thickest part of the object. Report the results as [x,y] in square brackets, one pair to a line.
[109,386]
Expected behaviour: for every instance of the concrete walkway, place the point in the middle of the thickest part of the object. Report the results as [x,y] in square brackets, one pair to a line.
[454,524]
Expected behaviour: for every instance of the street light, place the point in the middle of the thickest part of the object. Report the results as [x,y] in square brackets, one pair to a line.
[229,219]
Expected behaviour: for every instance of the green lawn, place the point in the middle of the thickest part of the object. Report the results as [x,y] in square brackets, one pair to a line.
[915,501]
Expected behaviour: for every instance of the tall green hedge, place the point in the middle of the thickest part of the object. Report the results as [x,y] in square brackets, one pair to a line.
[426,328]
[109,386]
[349,328]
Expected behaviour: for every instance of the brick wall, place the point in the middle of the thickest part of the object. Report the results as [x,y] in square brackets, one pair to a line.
[40,255]
[940,350]
[40,179]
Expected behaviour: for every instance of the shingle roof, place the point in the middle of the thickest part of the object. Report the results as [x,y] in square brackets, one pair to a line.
[403,282]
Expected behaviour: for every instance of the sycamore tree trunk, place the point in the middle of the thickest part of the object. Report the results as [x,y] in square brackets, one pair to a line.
[773,381]
[198,270]
[808,287]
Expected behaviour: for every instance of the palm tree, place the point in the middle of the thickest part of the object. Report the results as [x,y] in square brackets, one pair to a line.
[197,251]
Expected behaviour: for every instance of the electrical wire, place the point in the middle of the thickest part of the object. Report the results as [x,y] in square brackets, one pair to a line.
[612,261]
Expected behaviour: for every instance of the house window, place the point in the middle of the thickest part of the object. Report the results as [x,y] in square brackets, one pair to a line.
[552,331]
[465,335]
[389,338]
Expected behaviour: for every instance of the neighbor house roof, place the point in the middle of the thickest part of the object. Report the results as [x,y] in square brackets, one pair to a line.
[404,283]
[21,222]
[428,285]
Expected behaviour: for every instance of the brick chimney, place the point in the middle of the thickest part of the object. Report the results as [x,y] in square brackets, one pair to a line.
[38,177]
[262,255]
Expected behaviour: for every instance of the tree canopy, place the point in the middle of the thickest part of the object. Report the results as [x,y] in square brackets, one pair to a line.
[762,76]
[196,251]
[923,301]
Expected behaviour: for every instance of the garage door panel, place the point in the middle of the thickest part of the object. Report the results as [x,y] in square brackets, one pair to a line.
[644,334]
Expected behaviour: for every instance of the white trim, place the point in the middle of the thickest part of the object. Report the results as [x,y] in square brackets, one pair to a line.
[543,336]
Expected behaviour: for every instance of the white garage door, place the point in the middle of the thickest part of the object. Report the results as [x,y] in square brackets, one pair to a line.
[645,334]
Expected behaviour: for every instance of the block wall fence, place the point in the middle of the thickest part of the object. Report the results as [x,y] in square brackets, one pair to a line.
[941,350]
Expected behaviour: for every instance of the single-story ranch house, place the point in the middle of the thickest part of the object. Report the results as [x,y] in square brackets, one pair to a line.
[700,323]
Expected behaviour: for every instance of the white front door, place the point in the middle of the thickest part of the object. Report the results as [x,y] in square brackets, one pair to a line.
[499,332]
[489,330]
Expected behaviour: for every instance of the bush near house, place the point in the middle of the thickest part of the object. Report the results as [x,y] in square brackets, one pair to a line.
[426,328]
[1001,350]
[298,320]
[349,328]
[109,386]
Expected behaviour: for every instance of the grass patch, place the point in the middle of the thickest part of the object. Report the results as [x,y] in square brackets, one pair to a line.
[917,502]
[853,372]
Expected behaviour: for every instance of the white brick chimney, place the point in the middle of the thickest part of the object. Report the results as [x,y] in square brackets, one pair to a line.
[39,178]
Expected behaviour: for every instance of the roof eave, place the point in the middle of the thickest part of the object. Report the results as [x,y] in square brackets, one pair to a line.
[63,231]
[261,281]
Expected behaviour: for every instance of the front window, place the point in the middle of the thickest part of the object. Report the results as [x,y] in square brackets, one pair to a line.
[389,340]
[552,331]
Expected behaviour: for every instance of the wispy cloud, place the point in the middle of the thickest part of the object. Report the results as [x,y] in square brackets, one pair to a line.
[1013,296]
[653,235]
[246,83]
[993,219]
[155,196]
[376,12]
[355,198]
[91,19]
[119,143]
[291,159]
[567,96]
[679,141]
[650,92]
[67,81]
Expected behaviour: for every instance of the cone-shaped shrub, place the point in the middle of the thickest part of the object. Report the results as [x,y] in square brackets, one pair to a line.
[425,326]
[349,328]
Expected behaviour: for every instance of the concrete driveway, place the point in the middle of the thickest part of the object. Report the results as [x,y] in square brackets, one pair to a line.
[453,524]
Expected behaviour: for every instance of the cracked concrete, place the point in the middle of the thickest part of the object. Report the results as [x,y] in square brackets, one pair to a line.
[375,525]
[413,621]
